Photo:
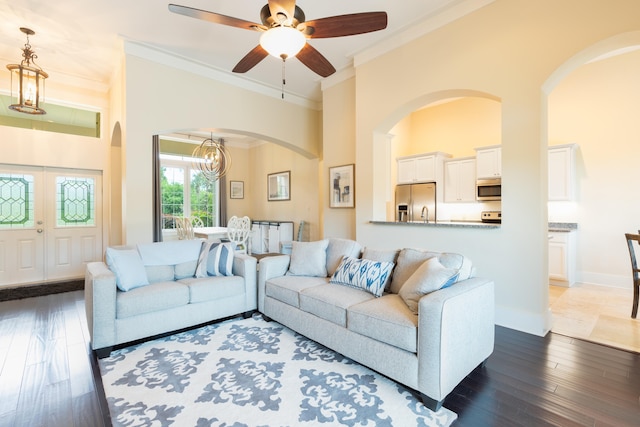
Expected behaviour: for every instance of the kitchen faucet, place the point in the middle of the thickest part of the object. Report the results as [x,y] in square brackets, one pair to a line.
[425,214]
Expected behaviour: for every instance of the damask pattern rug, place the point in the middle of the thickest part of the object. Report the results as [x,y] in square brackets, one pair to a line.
[248,372]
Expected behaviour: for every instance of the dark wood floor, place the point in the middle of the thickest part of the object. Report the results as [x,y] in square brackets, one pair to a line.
[47,375]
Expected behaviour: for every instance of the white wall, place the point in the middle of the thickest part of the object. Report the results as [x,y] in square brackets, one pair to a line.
[501,52]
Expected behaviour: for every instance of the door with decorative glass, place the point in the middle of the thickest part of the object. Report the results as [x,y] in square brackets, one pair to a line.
[50,223]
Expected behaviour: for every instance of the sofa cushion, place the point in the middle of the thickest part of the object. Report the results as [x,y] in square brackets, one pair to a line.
[429,277]
[330,302]
[286,288]
[215,259]
[211,288]
[185,269]
[147,299]
[410,259]
[386,319]
[160,273]
[128,268]
[309,258]
[170,252]
[371,276]
[339,248]
[387,255]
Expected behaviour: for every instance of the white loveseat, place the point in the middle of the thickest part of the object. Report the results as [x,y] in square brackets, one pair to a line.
[431,349]
[151,289]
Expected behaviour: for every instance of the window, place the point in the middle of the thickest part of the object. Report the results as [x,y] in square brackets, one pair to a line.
[187,193]
[59,118]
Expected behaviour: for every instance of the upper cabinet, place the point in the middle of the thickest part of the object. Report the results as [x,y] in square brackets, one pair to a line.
[460,180]
[426,167]
[489,162]
[561,172]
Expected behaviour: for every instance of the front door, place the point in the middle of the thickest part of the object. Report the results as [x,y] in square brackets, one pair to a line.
[50,223]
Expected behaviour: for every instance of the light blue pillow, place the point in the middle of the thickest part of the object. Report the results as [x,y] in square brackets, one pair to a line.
[429,277]
[127,265]
[216,259]
[371,276]
[309,258]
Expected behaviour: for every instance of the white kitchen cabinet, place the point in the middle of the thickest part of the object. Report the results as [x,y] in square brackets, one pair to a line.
[426,167]
[489,162]
[460,180]
[562,258]
[561,172]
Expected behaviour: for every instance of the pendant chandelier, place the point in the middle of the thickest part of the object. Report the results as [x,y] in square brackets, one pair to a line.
[30,80]
[212,159]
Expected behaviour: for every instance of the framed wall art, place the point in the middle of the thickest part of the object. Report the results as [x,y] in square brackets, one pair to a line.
[279,186]
[236,189]
[342,186]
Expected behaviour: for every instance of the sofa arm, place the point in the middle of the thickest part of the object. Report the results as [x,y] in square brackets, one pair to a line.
[245,266]
[100,304]
[270,267]
[456,331]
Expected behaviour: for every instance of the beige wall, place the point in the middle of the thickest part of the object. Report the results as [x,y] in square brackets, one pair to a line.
[338,149]
[501,52]
[597,107]
[270,158]
[175,99]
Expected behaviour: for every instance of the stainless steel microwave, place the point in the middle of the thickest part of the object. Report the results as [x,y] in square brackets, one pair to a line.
[489,189]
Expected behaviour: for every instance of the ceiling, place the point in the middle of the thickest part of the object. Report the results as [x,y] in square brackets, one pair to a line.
[80,40]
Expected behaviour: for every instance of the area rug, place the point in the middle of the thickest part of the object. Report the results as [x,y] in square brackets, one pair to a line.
[248,372]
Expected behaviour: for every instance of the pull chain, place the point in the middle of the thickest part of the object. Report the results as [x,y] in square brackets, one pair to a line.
[283,75]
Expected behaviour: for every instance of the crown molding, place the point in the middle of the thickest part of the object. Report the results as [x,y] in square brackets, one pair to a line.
[163,57]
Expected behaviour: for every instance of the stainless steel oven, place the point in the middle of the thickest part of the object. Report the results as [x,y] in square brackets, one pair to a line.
[489,189]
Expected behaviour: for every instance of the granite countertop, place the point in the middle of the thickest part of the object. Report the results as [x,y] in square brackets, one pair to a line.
[449,223]
[553,226]
[563,226]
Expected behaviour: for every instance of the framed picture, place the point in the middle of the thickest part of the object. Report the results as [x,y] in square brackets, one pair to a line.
[342,186]
[236,189]
[279,186]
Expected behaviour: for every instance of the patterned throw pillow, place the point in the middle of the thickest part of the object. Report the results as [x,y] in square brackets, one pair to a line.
[366,274]
[216,259]
[429,277]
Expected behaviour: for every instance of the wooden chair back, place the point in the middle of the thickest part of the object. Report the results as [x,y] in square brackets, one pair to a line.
[631,238]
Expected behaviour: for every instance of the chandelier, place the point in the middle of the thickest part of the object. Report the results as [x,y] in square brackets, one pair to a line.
[212,159]
[30,78]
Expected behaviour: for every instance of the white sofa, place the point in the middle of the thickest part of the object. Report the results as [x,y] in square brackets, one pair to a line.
[430,351]
[162,295]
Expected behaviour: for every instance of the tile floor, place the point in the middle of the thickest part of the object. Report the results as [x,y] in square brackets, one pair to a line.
[595,313]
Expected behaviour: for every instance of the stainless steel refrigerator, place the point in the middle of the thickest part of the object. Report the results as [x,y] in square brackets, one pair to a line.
[416,202]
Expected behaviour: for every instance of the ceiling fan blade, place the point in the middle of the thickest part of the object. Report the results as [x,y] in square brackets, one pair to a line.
[344,25]
[216,18]
[286,7]
[250,60]
[313,59]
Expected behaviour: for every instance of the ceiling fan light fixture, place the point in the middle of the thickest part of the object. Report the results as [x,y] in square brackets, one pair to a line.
[282,42]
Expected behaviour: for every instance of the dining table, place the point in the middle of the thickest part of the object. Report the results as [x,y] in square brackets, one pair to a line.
[210,233]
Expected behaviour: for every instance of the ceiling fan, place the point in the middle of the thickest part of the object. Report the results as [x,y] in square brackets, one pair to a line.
[283,24]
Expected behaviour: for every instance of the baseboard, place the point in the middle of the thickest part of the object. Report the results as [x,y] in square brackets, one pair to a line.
[40,289]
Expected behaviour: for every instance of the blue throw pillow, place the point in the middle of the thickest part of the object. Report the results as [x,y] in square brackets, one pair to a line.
[216,259]
[371,276]
[127,265]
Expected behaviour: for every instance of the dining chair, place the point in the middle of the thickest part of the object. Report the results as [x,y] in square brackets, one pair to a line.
[631,238]
[238,230]
[196,222]
[184,228]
